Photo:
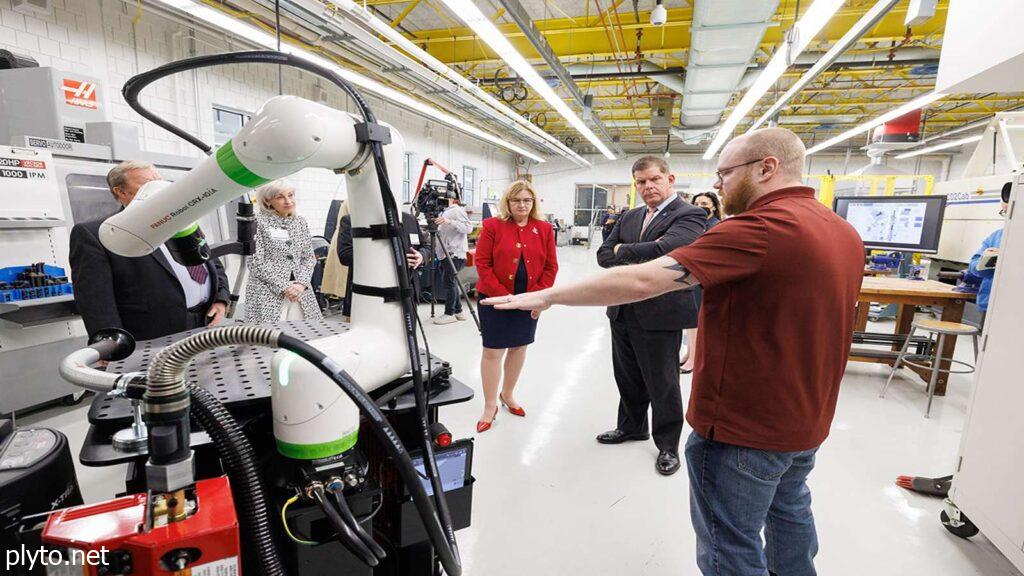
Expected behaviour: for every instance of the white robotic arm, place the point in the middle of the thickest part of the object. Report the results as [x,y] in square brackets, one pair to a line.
[286,135]
[312,418]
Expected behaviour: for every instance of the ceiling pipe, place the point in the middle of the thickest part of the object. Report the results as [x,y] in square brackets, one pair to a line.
[521,17]
[855,33]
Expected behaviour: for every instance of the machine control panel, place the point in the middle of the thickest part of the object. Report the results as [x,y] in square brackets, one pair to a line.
[26,447]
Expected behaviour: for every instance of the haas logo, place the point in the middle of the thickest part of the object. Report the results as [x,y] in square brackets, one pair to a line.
[80,93]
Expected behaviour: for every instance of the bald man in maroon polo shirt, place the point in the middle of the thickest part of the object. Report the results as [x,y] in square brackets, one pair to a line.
[780,281]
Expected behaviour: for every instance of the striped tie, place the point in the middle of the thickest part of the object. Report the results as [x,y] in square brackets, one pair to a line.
[198,273]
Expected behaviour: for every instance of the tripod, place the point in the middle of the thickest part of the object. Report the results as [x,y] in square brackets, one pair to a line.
[432,234]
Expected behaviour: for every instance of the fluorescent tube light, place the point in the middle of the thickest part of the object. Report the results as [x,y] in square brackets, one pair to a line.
[805,30]
[261,38]
[383,28]
[870,18]
[919,102]
[937,147]
[489,33]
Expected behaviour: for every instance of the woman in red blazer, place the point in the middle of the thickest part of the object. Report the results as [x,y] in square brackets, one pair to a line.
[515,253]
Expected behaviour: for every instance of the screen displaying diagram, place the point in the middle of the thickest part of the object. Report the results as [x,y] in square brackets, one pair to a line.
[888,222]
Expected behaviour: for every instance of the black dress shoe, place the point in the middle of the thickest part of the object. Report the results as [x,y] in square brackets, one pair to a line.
[667,463]
[618,437]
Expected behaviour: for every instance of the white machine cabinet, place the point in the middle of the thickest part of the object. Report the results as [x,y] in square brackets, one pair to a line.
[987,486]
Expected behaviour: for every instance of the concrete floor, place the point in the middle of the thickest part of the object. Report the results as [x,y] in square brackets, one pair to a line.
[549,500]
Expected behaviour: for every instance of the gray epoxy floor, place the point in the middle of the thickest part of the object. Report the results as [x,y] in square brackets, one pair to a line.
[549,500]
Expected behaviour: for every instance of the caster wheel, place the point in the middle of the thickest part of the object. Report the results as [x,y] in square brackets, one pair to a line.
[965,530]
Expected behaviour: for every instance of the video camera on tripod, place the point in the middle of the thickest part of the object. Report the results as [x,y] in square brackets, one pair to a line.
[432,198]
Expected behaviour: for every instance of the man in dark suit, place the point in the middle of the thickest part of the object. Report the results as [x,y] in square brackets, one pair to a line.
[646,335]
[150,296]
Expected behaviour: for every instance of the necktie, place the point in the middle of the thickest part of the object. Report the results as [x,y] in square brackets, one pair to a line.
[198,273]
[647,220]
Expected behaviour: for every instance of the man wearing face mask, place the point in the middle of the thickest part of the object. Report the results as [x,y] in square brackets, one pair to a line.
[149,296]
[646,335]
[781,279]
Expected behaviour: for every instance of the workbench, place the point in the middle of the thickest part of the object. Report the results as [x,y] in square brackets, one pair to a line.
[908,294]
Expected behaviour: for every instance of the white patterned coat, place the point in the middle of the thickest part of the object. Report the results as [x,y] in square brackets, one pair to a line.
[283,255]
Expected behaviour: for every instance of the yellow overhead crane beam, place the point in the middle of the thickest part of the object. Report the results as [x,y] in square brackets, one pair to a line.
[567,37]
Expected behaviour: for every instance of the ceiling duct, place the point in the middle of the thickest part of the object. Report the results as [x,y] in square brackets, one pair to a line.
[724,38]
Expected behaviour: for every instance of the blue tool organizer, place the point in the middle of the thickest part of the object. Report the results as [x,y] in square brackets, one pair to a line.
[51,283]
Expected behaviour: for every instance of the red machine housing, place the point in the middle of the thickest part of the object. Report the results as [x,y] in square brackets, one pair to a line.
[906,128]
[210,535]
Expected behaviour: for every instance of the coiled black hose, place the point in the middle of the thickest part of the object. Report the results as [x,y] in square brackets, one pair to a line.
[240,464]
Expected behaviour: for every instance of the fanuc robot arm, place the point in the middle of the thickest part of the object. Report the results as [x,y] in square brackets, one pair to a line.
[314,419]
[316,401]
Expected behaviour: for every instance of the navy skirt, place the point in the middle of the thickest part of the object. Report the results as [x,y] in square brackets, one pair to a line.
[507,328]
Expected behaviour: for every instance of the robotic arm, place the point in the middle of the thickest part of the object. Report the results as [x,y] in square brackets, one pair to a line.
[285,136]
[313,419]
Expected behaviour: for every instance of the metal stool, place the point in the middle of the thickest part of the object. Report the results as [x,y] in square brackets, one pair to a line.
[941,329]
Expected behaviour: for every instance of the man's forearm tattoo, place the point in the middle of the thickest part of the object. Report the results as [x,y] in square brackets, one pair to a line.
[684,273]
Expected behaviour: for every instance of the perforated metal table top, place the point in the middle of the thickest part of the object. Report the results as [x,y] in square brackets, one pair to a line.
[238,376]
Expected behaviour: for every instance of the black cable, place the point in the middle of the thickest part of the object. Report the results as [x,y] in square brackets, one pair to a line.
[391,443]
[419,391]
[446,547]
[348,539]
[336,489]
[426,348]
[246,485]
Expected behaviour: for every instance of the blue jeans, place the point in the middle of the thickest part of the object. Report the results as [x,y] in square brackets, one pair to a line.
[736,492]
[453,299]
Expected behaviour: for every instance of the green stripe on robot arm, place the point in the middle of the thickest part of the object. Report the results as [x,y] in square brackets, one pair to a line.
[318,451]
[234,169]
[187,231]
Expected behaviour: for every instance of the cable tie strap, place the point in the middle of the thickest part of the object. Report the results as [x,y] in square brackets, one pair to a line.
[372,132]
[393,294]
[376,232]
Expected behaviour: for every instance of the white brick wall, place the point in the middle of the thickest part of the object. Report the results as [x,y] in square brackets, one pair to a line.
[97,37]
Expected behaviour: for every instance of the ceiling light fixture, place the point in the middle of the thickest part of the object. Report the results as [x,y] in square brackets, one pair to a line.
[801,35]
[261,38]
[938,147]
[870,18]
[489,33]
[361,14]
[919,102]
[659,15]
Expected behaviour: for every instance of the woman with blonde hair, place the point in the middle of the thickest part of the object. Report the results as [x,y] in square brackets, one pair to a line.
[281,268]
[514,254]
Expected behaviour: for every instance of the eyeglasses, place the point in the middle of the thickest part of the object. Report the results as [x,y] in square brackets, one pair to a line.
[724,171]
[520,201]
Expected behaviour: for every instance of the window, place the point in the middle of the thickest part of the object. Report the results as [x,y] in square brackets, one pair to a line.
[591,201]
[407,177]
[226,123]
[468,185]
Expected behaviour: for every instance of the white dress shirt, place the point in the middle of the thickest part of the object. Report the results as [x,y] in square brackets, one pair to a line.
[195,293]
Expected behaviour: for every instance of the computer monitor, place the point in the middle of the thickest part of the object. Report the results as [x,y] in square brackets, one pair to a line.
[903,223]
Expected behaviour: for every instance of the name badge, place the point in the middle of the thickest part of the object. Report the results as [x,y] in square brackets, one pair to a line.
[414,239]
[278,234]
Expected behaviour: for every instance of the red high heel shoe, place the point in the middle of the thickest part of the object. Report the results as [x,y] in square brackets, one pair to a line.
[514,411]
[482,426]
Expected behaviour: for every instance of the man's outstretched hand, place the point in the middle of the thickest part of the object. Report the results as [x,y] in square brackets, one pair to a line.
[536,301]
